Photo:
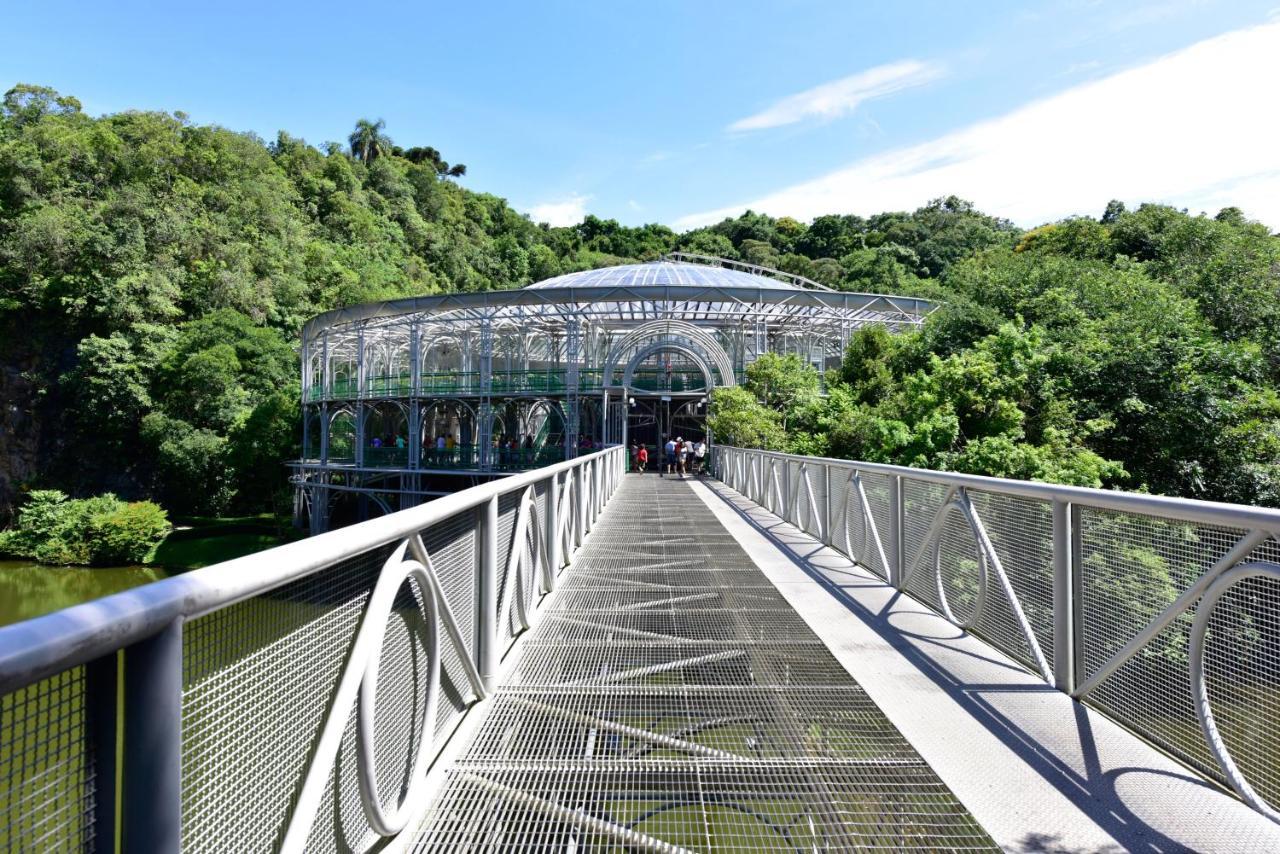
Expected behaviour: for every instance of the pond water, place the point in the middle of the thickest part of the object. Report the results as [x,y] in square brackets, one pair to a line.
[28,589]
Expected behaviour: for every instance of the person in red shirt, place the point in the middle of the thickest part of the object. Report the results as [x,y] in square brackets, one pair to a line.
[642,457]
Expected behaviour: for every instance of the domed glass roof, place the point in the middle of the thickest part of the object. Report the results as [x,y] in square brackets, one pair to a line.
[659,273]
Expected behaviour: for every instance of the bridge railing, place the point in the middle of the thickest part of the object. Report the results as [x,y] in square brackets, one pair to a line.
[1163,613]
[287,700]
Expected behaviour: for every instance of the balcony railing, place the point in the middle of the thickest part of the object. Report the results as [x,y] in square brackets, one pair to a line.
[1163,613]
[444,383]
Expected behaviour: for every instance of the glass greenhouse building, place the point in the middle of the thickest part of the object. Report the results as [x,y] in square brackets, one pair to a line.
[420,397]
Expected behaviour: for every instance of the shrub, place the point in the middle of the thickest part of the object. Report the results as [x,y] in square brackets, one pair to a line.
[128,533]
[97,531]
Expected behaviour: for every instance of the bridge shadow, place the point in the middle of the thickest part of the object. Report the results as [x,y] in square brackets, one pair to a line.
[1094,791]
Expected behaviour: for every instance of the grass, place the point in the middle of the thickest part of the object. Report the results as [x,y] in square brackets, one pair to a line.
[203,541]
[195,552]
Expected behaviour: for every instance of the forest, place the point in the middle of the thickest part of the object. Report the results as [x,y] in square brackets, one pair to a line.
[155,272]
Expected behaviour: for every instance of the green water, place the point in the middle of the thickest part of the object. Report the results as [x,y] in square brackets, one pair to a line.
[29,590]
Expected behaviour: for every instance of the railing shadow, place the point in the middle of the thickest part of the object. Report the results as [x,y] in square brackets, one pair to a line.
[1094,791]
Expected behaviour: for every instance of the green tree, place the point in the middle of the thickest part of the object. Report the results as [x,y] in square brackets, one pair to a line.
[781,381]
[737,418]
[368,141]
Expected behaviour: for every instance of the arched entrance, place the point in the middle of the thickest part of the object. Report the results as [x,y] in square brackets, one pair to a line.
[667,384]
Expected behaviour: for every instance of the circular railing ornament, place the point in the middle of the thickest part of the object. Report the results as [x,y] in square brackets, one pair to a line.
[386,824]
[1200,689]
[980,600]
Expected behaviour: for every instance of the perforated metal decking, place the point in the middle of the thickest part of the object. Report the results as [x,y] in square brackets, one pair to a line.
[670,699]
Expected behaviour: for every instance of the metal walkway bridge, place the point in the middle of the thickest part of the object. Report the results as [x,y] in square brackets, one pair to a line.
[801,655]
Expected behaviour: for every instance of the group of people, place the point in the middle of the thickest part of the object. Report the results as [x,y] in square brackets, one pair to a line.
[387,441]
[680,456]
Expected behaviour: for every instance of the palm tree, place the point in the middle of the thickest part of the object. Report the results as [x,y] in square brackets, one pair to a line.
[368,141]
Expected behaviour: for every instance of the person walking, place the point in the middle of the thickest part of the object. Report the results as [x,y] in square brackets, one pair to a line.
[642,458]
[669,451]
[700,457]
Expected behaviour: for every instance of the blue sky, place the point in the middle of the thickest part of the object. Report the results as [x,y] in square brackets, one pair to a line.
[681,112]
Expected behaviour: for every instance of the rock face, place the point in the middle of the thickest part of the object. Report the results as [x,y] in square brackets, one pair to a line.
[19,433]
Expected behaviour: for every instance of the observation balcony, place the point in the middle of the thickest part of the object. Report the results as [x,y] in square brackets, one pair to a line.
[796,654]
[457,383]
[465,383]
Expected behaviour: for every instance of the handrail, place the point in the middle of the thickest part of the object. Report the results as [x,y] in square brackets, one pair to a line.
[1188,509]
[37,648]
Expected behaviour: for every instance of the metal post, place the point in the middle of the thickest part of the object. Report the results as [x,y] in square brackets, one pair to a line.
[897,570]
[152,802]
[414,445]
[326,373]
[598,478]
[360,437]
[1064,604]
[324,432]
[826,502]
[553,528]
[573,353]
[786,489]
[487,589]
[577,506]
[102,684]
[588,497]
[362,372]
[484,429]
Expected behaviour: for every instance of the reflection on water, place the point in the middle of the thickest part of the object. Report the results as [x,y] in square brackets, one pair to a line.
[28,589]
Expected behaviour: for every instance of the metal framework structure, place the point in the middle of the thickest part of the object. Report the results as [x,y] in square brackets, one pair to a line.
[400,398]
[1163,613]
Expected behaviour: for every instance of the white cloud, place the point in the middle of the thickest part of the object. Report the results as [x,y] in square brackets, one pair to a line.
[568,211]
[835,99]
[1193,128]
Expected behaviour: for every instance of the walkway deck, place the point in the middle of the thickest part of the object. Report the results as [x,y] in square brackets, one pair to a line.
[671,699]
[708,677]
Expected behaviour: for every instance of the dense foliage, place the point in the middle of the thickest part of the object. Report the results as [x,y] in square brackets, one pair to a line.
[154,274]
[99,531]
[1139,350]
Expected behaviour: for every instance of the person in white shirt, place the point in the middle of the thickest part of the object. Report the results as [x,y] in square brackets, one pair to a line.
[700,457]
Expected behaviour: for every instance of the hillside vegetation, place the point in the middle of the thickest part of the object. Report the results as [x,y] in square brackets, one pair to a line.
[154,274]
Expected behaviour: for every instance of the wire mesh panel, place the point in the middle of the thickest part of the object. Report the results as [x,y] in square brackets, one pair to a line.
[864,536]
[877,488]
[257,681]
[670,697]
[794,490]
[1132,568]
[921,500]
[1242,678]
[46,772]
[508,508]
[1021,533]
[452,547]
[812,494]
